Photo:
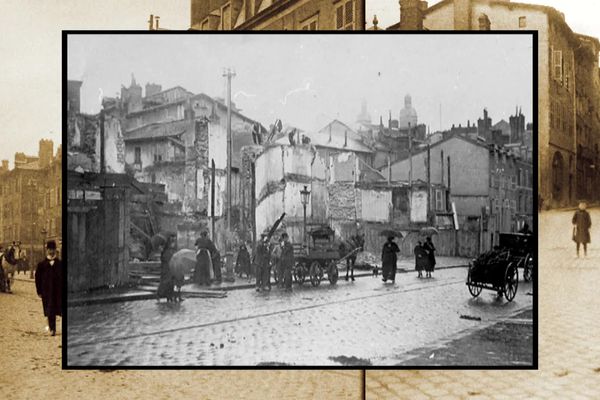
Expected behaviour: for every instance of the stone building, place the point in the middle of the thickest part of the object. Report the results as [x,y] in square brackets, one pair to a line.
[565,160]
[31,200]
[277,14]
[482,180]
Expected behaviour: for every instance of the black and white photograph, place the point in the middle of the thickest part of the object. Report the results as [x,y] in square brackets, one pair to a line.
[298,200]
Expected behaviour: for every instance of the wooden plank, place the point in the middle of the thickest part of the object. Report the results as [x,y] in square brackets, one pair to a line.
[140,230]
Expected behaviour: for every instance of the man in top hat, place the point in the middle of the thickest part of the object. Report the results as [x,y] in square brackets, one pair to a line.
[49,285]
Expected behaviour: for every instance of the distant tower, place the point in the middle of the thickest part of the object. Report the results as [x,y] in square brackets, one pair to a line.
[408,115]
[132,96]
[46,153]
[364,117]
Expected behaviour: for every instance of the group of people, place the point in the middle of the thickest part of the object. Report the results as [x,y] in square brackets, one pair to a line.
[282,258]
[424,257]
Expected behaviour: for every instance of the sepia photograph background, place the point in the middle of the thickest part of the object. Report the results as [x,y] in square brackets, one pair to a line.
[31,39]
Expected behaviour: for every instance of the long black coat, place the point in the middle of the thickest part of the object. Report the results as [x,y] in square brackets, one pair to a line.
[49,285]
[583,223]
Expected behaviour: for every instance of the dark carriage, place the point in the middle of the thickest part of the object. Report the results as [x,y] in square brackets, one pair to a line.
[498,269]
[322,256]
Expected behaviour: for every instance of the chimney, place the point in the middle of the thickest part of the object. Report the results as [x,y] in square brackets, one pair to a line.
[411,14]
[5,165]
[345,138]
[151,22]
[156,19]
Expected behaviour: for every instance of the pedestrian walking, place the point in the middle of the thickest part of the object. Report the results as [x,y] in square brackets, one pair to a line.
[205,251]
[581,228]
[166,287]
[242,263]
[430,250]
[287,260]
[263,270]
[389,259]
[420,258]
[49,285]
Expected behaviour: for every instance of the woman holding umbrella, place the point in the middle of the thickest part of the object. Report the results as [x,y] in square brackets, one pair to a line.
[430,249]
[389,257]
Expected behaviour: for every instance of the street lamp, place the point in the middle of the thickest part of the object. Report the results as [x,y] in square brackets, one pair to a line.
[304,197]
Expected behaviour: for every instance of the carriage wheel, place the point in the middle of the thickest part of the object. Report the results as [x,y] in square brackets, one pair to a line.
[528,269]
[474,290]
[299,272]
[511,282]
[333,273]
[316,273]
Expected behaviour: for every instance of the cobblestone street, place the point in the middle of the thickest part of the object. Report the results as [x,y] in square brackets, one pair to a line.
[362,322]
[31,362]
[569,350]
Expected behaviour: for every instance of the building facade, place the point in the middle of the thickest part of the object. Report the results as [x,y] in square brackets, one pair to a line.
[564,158]
[277,14]
[31,200]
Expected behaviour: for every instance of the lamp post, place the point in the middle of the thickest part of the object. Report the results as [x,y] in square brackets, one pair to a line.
[304,197]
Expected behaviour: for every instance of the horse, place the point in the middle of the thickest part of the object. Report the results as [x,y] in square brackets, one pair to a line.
[183,263]
[350,248]
[9,263]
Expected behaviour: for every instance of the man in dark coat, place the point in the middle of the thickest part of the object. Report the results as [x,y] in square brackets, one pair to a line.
[287,260]
[49,285]
[205,254]
[430,250]
[263,270]
[581,227]
[389,259]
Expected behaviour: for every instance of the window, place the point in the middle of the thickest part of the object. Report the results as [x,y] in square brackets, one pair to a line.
[180,111]
[439,200]
[226,17]
[522,22]
[344,15]
[310,24]
[138,155]
[513,182]
[557,64]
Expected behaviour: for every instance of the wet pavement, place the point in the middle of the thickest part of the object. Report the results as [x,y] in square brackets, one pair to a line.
[569,348]
[361,322]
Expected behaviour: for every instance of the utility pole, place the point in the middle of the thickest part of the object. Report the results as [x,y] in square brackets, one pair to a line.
[410,169]
[229,73]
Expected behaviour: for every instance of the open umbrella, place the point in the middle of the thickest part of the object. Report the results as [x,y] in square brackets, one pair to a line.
[428,231]
[160,239]
[390,233]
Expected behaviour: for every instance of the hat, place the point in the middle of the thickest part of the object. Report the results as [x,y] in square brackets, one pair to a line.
[51,245]
[284,235]
[204,233]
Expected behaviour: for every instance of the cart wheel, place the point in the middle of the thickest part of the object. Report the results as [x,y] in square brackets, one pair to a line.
[316,273]
[511,282]
[299,273]
[333,273]
[528,269]
[473,289]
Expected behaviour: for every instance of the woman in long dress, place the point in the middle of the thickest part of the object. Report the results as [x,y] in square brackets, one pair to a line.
[420,258]
[581,228]
[389,259]
[430,249]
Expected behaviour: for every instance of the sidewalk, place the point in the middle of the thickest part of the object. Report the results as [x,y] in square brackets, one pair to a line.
[148,292]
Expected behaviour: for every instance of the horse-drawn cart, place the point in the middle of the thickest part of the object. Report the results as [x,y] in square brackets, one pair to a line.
[498,269]
[322,256]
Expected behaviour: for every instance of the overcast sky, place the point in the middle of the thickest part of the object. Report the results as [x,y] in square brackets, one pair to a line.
[307,80]
[581,15]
